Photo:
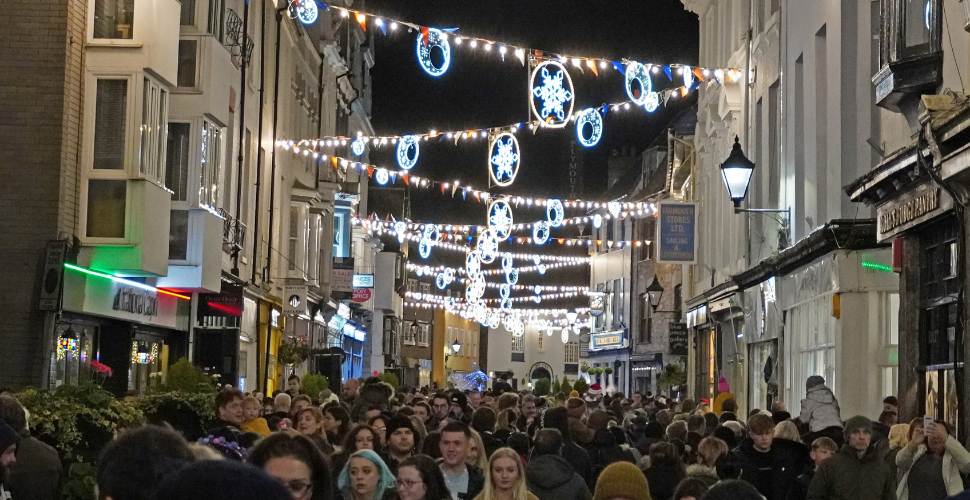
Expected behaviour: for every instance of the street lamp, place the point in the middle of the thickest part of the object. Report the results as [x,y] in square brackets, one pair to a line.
[737,170]
[655,291]
[455,346]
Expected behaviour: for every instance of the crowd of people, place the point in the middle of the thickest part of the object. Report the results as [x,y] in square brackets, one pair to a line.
[372,442]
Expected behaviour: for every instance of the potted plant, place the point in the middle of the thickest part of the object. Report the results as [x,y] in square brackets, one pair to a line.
[609,378]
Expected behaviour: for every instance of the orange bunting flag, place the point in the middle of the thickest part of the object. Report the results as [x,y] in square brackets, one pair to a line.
[362,20]
[442,189]
[477,197]
[405,177]
[370,171]
[424,35]
[699,74]
[561,240]
[599,243]
[592,66]
[334,160]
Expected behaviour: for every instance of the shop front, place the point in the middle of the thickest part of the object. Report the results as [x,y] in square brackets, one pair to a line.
[611,349]
[128,325]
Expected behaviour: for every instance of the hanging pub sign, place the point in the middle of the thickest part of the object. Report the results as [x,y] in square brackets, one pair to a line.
[227,303]
[677,233]
[597,303]
[678,338]
[295,300]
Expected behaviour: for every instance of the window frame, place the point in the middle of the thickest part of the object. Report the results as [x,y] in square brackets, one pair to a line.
[134,41]
[157,144]
[296,258]
[190,161]
[424,334]
[210,201]
[571,352]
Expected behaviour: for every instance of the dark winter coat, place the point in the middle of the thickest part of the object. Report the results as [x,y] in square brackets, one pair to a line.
[491,442]
[550,477]
[774,473]
[845,476]
[37,473]
[371,393]
[663,479]
[604,450]
[578,457]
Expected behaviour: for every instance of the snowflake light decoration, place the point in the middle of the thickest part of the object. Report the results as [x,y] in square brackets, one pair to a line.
[614,207]
[565,335]
[512,276]
[503,159]
[357,147]
[441,281]
[555,213]
[507,263]
[506,304]
[401,228]
[645,96]
[500,219]
[304,10]
[494,319]
[487,247]
[555,93]
[516,326]
[435,39]
[382,176]
[597,221]
[591,117]
[475,288]
[431,233]
[473,263]
[504,290]
[481,314]
[540,232]
[424,248]
[405,146]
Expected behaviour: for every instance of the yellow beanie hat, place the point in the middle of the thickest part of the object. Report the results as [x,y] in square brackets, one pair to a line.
[622,480]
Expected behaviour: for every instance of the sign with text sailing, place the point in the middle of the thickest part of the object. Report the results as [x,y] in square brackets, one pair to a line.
[677,233]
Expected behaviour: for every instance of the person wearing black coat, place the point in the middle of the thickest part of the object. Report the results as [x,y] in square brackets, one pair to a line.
[604,449]
[577,456]
[771,465]
[549,476]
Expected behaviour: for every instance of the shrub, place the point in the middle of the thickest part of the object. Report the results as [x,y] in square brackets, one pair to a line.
[566,386]
[390,379]
[556,386]
[581,386]
[183,376]
[542,387]
[312,385]
[608,370]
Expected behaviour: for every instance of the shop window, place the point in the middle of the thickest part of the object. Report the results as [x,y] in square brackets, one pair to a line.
[146,365]
[113,19]
[177,159]
[154,122]
[111,104]
[73,352]
[106,208]
[188,56]
[211,149]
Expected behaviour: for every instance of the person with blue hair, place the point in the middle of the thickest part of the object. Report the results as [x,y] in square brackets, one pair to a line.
[365,477]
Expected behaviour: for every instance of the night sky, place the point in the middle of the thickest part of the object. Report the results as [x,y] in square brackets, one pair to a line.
[480,90]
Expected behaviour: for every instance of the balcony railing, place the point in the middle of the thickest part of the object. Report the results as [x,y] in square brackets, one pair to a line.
[233,231]
[239,43]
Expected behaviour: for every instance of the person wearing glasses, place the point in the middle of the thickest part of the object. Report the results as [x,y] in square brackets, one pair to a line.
[297,462]
[365,477]
[420,478]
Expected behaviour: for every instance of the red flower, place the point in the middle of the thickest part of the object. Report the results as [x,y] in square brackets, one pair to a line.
[100,368]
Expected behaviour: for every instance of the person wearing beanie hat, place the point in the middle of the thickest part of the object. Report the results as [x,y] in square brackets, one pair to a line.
[856,472]
[9,441]
[573,394]
[221,480]
[401,440]
[820,412]
[578,431]
[724,394]
[622,480]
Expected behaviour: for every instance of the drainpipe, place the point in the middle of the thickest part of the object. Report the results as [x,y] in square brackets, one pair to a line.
[242,128]
[272,180]
[259,135]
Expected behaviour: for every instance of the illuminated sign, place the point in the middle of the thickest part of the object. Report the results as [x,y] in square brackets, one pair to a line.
[608,340]
[363,281]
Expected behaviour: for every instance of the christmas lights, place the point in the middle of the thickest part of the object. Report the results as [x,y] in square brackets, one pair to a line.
[304,10]
[382,176]
[500,219]
[504,159]
[554,92]
[644,95]
[540,232]
[405,146]
[591,117]
[555,213]
[427,41]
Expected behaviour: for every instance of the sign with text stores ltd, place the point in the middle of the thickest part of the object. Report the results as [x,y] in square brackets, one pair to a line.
[677,233]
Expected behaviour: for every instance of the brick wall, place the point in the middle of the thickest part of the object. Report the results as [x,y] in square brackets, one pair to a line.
[39,43]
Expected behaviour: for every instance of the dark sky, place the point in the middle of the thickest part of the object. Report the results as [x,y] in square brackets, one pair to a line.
[479,90]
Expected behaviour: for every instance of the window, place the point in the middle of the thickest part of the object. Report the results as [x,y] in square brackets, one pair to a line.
[517,345]
[424,333]
[426,288]
[572,352]
[109,124]
[412,285]
[107,200]
[211,156]
[113,18]
[217,16]
[298,237]
[178,239]
[177,159]
[154,119]
[646,322]
[542,341]
[188,13]
[188,55]
[617,303]
[410,333]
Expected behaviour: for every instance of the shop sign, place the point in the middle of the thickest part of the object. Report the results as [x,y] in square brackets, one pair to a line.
[112,299]
[363,281]
[50,292]
[361,295]
[910,209]
[677,233]
[226,304]
[295,300]
[607,340]
[677,338]
[134,301]
[597,303]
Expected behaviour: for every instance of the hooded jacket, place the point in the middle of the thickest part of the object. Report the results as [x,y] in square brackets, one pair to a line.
[956,462]
[550,477]
[845,476]
[373,392]
[604,450]
[820,409]
[773,473]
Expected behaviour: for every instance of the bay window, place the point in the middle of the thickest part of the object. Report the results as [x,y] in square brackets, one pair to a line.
[177,159]
[211,150]
[154,121]
[110,112]
[298,235]
[910,52]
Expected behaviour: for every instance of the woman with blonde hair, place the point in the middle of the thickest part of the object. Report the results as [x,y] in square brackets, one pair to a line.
[252,421]
[898,439]
[709,451]
[309,422]
[787,430]
[505,478]
[476,452]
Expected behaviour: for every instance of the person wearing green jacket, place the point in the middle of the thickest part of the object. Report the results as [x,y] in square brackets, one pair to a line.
[856,472]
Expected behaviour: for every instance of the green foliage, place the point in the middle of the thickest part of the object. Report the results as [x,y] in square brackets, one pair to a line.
[584,369]
[566,386]
[80,482]
[312,385]
[556,386]
[542,387]
[183,376]
[581,386]
[77,420]
[187,412]
[292,353]
[390,379]
[608,370]
[670,377]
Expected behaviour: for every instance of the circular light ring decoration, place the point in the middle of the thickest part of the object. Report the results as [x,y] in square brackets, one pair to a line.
[424,248]
[637,72]
[441,281]
[434,39]
[540,232]
[481,314]
[401,228]
[507,262]
[555,213]
[450,274]
[432,234]
[475,288]
[536,299]
[504,290]
[494,319]
[517,327]
[553,88]
[652,102]
[404,146]
[306,10]
[506,304]
[565,335]
[614,208]
[487,247]
[357,147]
[382,176]
[592,117]
[597,221]
[688,77]
[542,269]
[473,263]
[503,159]
[512,276]
[500,219]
